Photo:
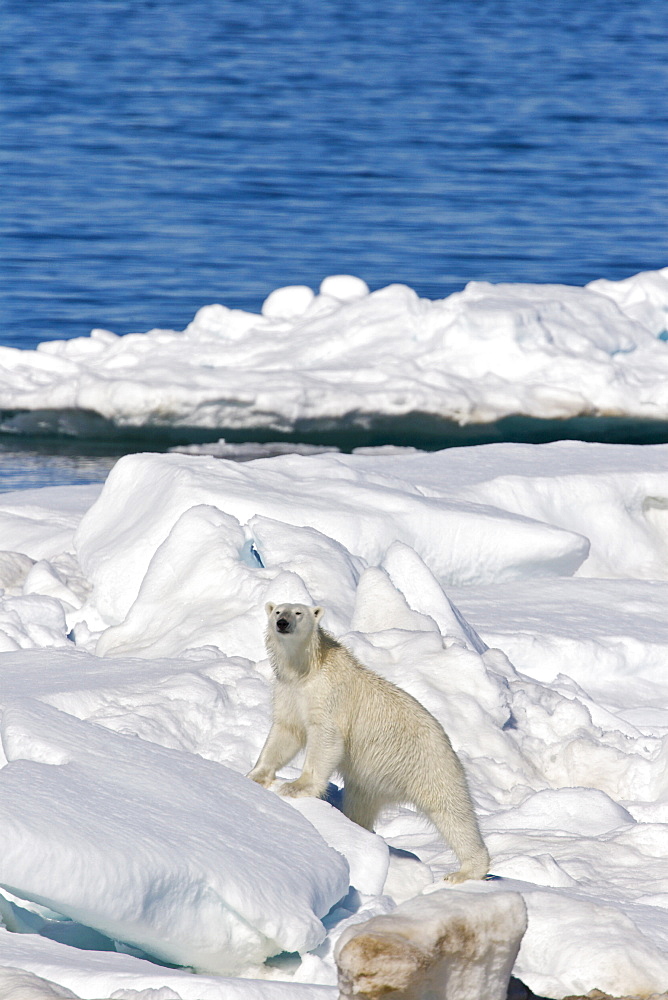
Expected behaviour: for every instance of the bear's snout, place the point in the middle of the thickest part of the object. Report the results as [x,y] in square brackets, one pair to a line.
[283,625]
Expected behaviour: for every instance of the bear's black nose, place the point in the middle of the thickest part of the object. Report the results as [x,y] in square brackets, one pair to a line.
[282,624]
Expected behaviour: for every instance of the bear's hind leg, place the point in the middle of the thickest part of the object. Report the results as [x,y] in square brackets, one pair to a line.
[459,828]
[359,806]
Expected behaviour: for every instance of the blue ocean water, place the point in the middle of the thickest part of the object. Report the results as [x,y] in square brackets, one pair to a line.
[158,155]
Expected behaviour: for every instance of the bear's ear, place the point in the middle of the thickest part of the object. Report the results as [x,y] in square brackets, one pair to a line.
[269,608]
[317,612]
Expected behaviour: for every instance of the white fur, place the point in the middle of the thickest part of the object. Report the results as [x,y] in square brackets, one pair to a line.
[385,745]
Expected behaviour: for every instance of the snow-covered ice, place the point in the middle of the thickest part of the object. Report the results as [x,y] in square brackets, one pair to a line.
[518,591]
[192,829]
[349,358]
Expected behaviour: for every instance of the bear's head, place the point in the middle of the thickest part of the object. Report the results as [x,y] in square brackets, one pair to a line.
[286,619]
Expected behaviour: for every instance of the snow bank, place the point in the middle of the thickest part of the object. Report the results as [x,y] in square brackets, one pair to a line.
[41,523]
[616,953]
[518,592]
[338,515]
[16,984]
[350,356]
[180,857]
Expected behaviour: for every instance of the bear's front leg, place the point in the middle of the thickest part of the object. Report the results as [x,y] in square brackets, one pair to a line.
[324,750]
[280,747]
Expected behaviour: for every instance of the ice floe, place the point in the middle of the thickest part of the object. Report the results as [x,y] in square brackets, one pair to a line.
[518,591]
[348,358]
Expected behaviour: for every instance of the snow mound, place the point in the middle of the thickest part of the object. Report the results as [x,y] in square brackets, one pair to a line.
[337,516]
[181,857]
[15,984]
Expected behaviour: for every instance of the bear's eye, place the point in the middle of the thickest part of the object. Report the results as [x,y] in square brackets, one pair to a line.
[298,613]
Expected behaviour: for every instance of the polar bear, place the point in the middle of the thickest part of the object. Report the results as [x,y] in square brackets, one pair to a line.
[386,746]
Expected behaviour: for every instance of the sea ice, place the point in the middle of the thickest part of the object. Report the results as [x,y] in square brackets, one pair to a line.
[517,591]
[355,357]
